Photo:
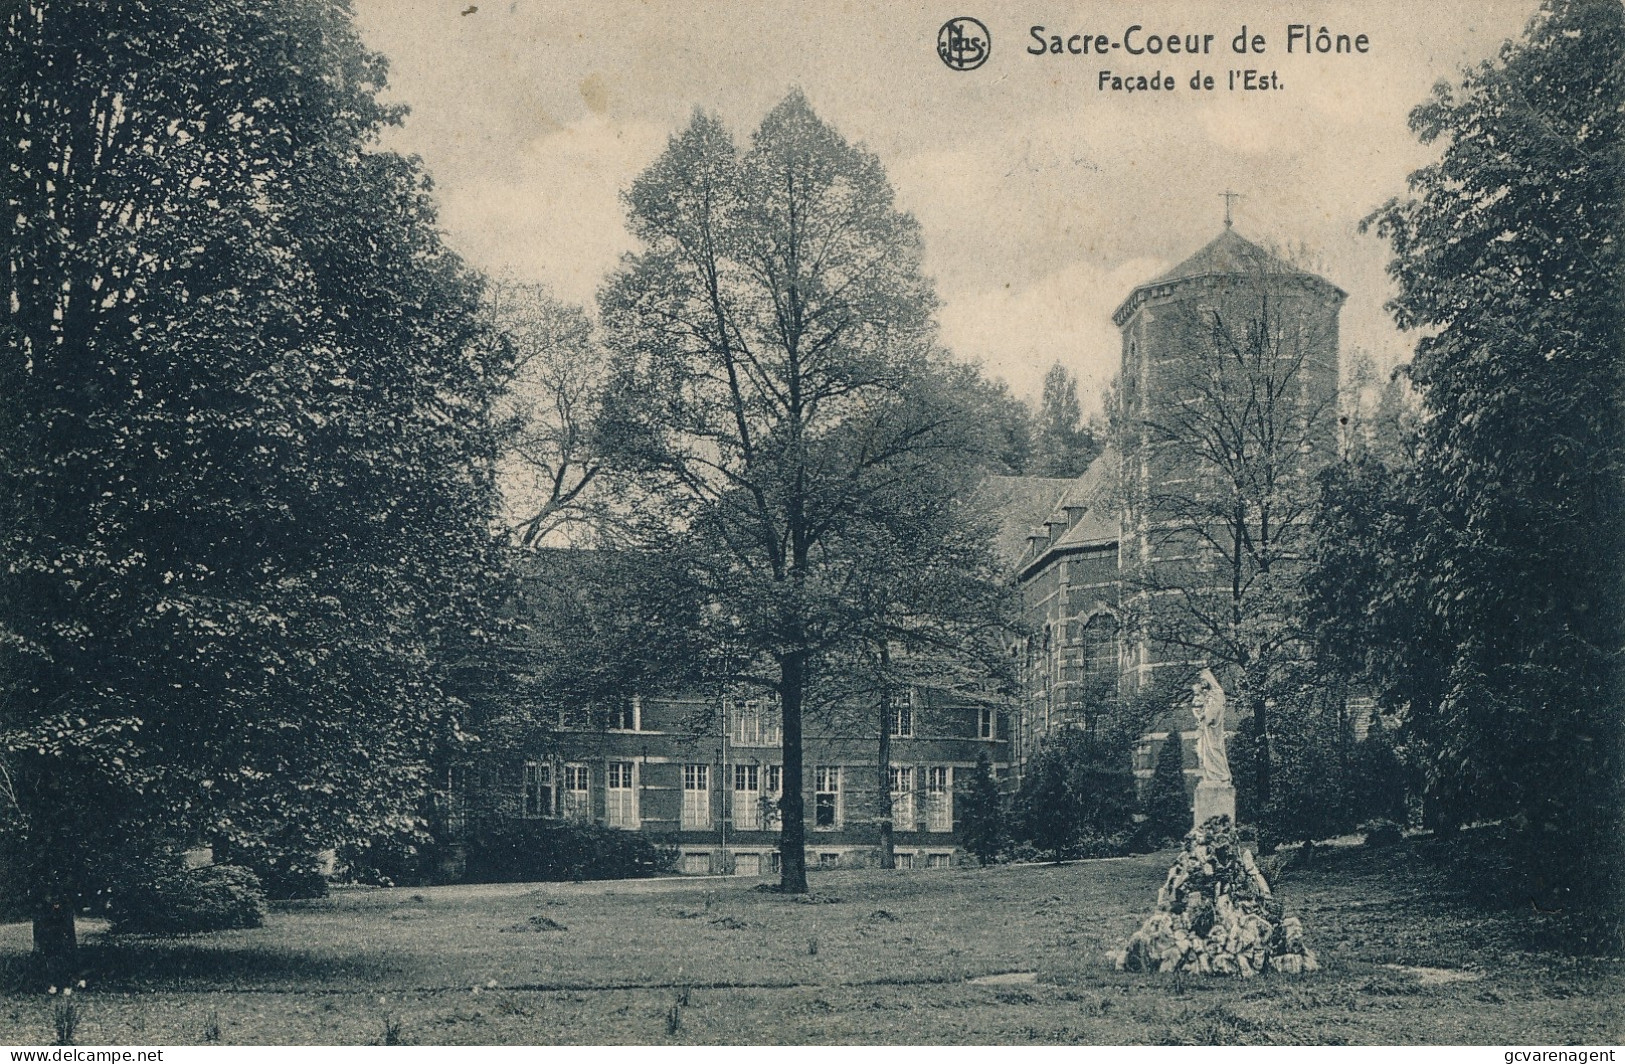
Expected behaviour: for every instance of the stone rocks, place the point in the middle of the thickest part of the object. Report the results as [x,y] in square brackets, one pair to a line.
[1215,914]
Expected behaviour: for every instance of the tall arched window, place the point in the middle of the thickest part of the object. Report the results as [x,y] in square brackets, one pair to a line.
[1100,651]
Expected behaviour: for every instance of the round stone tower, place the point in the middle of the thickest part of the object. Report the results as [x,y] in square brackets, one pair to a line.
[1228,389]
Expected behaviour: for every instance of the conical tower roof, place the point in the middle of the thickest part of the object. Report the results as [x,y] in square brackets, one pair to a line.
[1227,255]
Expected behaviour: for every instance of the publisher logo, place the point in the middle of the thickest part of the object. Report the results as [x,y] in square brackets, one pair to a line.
[964,43]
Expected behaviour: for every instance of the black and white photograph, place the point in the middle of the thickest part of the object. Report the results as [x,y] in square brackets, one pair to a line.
[773,523]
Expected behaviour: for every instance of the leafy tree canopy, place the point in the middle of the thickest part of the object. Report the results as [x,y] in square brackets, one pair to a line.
[1507,254]
[247,459]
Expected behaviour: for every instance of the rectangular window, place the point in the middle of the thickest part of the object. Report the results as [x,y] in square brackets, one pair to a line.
[775,863]
[939,798]
[902,716]
[623,715]
[577,792]
[902,797]
[620,795]
[537,789]
[987,722]
[772,794]
[939,860]
[696,797]
[696,864]
[829,860]
[827,797]
[904,860]
[755,723]
[747,798]
[747,864]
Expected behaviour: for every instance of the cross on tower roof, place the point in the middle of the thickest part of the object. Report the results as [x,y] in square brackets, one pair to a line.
[1229,198]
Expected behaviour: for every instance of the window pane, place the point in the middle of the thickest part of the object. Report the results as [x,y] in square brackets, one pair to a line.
[696,797]
[620,800]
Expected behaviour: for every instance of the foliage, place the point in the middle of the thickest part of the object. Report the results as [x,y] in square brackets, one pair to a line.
[1507,254]
[282,864]
[1228,448]
[1077,796]
[179,901]
[586,628]
[1009,424]
[551,459]
[244,410]
[1063,446]
[1167,805]
[518,851]
[1379,782]
[980,813]
[1309,745]
[406,856]
[778,397]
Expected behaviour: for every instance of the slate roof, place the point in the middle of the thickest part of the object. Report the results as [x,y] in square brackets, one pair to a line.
[1023,505]
[1020,504]
[1227,255]
[1096,489]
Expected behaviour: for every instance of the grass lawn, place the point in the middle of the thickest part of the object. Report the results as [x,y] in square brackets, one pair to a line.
[899,957]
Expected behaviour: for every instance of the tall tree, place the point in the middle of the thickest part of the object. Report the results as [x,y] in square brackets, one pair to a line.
[1063,445]
[1507,255]
[551,461]
[1226,510]
[1009,424]
[778,388]
[246,471]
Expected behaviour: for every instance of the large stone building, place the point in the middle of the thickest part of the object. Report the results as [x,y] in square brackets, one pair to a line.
[702,773]
[1228,376]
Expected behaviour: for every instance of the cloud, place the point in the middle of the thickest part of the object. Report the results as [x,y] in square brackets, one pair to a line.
[553,214]
[1064,316]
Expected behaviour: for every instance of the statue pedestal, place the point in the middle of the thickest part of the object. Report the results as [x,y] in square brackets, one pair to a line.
[1214,799]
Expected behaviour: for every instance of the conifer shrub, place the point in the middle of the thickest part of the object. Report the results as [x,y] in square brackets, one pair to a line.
[1167,806]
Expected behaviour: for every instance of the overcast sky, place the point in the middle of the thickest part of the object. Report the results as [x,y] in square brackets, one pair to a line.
[1043,199]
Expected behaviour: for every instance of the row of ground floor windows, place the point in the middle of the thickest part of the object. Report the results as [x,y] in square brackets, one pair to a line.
[704,862]
[566,791]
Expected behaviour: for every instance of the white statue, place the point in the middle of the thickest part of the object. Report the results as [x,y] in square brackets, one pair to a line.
[1208,706]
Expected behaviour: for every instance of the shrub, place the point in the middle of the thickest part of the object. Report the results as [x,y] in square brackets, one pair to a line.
[1091,843]
[286,871]
[522,850]
[409,857]
[1380,832]
[1379,781]
[981,813]
[181,900]
[1077,799]
[1167,806]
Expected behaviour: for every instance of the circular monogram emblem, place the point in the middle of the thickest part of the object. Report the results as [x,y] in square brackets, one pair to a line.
[964,43]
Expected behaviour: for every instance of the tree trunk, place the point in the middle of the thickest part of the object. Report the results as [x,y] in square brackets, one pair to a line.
[792,823]
[56,940]
[1261,749]
[888,852]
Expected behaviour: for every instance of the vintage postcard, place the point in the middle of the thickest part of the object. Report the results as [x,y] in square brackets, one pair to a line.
[784,523]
